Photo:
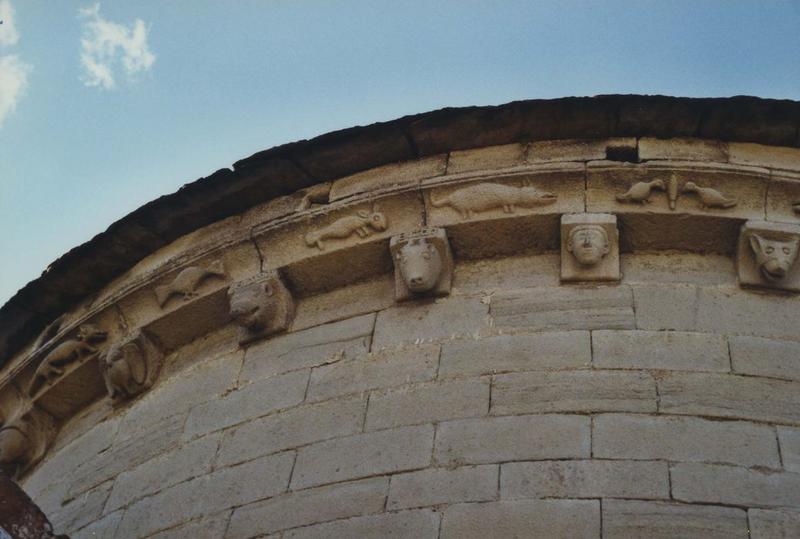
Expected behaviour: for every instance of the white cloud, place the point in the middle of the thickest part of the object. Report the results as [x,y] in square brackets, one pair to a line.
[13,81]
[8,30]
[106,44]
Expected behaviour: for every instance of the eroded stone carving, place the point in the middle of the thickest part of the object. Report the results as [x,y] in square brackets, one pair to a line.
[361,223]
[423,263]
[640,192]
[489,196]
[130,366]
[24,440]
[768,254]
[69,351]
[187,281]
[709,198]
[796,207]
[589,247]
[261,306]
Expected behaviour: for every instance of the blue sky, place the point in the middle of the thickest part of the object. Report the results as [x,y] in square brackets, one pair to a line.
[200,84]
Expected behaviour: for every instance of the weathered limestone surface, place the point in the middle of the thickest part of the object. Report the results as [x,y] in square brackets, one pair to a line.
[665,404]
[628,519]
[528,518]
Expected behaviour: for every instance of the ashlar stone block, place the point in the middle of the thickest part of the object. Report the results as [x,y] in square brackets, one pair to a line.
[767,255]
[589,247]
[633,519]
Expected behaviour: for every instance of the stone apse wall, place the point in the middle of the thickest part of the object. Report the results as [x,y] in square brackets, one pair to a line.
[585,337]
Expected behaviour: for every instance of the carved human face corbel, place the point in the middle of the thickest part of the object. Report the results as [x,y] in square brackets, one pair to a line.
[589,247]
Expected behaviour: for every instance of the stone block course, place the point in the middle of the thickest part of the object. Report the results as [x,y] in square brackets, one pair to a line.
[293,428]
[789,439]
[498,439]
[378,370]
[311,506]
[576,519]
[427,403]
[436,486]
[765,357]
[209,494]
[510,353]
[726,395]
[632,519]
[212,527]
[419,524]
[394,175]
[585,479]
[729,485]
[667,350]
[81,511]
[308,348]
[191,387]
[421,321]
[127,452]
[190,460]
[764,156]
[256,399]
[774,524]
[684,439]
[492,157]
[564,308]
[103,527]
[573,391]
[363,455]
[683,149]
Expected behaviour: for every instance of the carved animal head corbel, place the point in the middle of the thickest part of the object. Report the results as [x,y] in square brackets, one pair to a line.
[24,440]
[768,255]
[260,306]
[423,263]
[131,366]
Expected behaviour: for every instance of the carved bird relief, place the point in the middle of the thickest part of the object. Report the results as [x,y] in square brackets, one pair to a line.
[709,198]
[640,192]
[187,281]
[488,196]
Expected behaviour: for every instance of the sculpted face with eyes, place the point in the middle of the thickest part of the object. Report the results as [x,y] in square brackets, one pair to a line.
[774,257]
[588,244]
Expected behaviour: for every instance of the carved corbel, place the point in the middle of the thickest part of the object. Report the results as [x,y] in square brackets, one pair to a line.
[423,263]
[81,346]
[24,441]
[589,247]
[131,366]
[260,306]
[768,255]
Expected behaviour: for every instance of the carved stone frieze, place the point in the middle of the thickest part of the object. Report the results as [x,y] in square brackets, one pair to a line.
[186,283]
[640,192]
[260,306]
[767,255]
[486,196]
[362,223]
[130,366]
[423,263]
[589,247]
[24,440]
[81,346]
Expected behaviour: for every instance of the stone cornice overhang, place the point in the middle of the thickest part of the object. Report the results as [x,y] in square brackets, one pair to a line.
[87,268]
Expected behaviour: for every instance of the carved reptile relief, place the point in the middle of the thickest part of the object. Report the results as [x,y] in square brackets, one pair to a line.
[362,223]
[483,197]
